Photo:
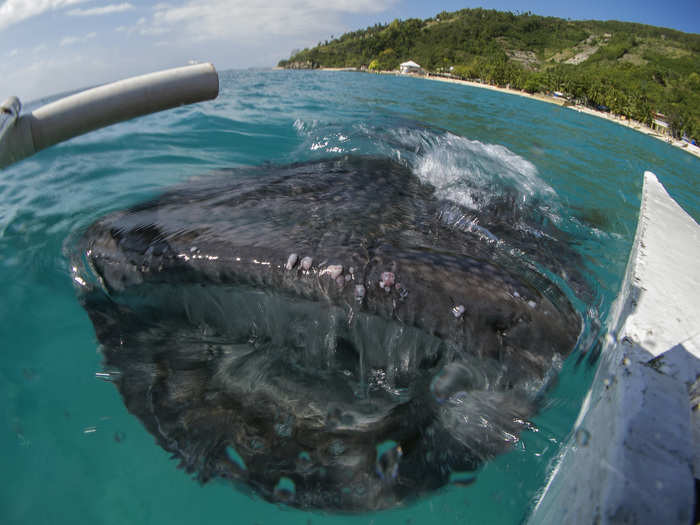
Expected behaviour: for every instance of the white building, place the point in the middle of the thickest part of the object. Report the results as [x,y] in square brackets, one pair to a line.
[660,124]
[411,67]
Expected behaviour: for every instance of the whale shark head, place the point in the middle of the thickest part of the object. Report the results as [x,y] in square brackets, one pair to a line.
[278,326]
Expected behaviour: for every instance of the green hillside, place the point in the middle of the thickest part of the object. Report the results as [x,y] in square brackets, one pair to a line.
[633,69]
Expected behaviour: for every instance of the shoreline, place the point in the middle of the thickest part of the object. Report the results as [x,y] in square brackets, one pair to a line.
[622,121]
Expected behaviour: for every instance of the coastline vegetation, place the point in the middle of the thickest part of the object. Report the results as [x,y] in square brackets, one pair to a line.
[630,69]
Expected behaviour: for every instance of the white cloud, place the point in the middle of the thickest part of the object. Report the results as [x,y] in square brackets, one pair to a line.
[105,10]
[70,40]
[29,79]
[236,19]
[142,28]
[13,11]
[229,33]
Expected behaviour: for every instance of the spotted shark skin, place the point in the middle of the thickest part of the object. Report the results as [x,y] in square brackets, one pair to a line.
[320,334]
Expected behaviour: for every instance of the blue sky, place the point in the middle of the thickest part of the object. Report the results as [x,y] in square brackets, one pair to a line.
[50,46]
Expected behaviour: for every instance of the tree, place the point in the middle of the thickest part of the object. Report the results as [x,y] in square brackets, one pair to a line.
[533,84]
[387,60]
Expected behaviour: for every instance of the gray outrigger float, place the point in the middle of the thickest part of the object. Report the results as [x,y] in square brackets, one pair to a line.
[22,135]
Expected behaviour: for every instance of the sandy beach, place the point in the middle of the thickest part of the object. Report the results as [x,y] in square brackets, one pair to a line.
[623,121]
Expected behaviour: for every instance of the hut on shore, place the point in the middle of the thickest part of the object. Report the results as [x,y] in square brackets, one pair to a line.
[411,67]
[660,124]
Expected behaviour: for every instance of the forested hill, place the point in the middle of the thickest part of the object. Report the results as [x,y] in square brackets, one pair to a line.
[633,69]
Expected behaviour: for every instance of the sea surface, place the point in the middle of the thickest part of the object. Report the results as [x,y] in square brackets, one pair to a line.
[70,450]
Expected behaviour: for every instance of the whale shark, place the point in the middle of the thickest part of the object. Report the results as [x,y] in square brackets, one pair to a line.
[328,334]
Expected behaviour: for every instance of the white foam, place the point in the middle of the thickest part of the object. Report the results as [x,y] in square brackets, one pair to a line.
[466,172]
[469,172]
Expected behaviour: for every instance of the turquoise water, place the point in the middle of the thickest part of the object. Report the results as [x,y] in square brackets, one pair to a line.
[72,452]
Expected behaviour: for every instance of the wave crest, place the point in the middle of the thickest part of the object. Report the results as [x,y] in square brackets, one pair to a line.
[467,172]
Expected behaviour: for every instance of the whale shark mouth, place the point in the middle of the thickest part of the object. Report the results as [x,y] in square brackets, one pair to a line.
[330,334]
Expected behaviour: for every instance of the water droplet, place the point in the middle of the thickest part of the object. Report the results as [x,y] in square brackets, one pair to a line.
[235,457]
[283,430]
[385,446]
[582,437]
[337,447]
[285,483]
[285,489]
[359,292]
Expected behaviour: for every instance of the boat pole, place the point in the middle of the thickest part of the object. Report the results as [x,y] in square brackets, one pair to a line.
[24,135]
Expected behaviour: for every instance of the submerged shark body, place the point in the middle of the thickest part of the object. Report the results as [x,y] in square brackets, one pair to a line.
[330,334]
